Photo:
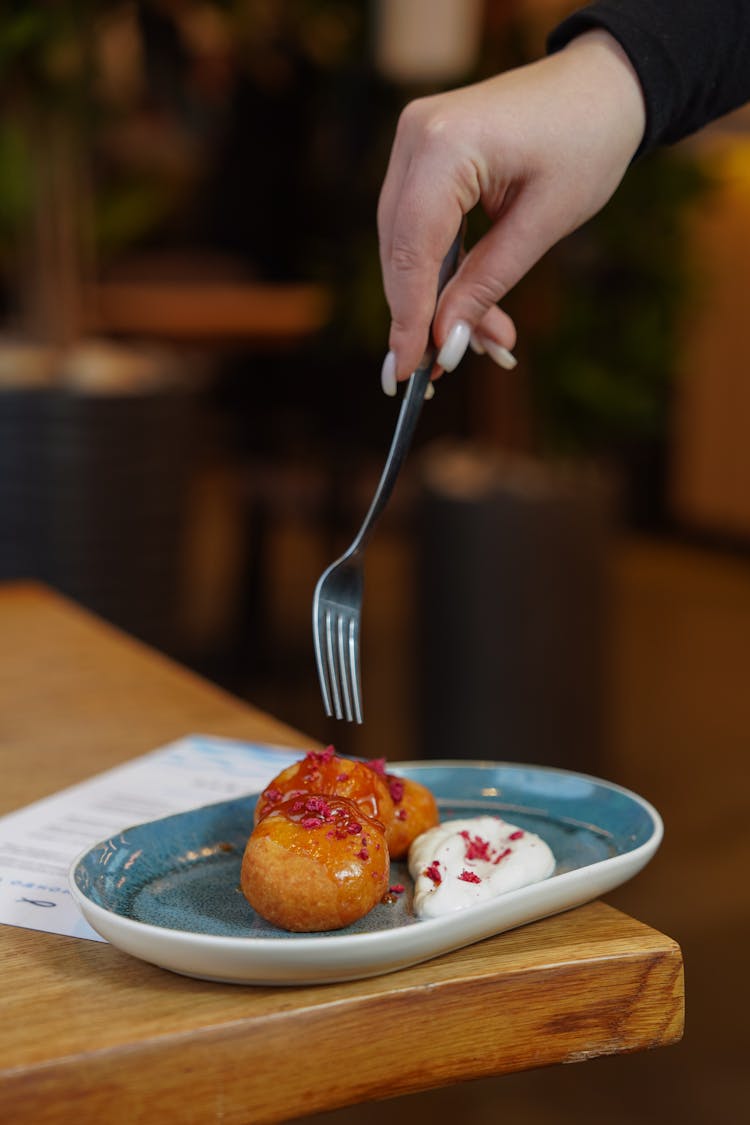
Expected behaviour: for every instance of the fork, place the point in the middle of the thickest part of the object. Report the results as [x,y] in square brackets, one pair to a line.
[337,602]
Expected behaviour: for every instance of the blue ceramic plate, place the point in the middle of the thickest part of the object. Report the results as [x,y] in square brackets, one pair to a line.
[168,891]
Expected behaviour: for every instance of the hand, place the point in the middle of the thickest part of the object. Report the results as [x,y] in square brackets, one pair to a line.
[542,148]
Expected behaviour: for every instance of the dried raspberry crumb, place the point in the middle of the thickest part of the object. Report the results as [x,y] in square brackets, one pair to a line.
[321,756]
[397,889]
[469,877]
[476,847]
[343,777]
[363,854]
[516,835]
[311,822]
[432,873]
[353,828]
[378,765]
[502,855]
[318,806]
[401,814]
[395,788]
[298,805]
[273,794]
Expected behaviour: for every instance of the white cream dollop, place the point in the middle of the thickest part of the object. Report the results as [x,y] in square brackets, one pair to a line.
[462,862]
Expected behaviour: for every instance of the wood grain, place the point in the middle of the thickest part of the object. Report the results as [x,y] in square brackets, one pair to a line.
[89,1035]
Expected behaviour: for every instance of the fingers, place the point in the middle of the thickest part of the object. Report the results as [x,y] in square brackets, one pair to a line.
[518,239]
[467,311]
[411,261]
[421,207]
[428,188]
[495,336]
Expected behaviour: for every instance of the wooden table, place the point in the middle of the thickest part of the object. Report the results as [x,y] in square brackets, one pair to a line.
[89,1035]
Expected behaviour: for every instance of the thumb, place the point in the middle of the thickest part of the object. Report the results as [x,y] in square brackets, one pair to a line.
[411,269]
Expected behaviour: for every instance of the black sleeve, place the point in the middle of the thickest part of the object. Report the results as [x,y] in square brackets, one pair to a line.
[692,57]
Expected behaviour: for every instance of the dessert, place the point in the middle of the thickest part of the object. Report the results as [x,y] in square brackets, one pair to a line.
[315,862]
[464,862]
[325,830]
[414,809]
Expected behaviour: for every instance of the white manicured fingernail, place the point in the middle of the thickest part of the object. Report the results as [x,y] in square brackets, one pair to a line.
[388,375]
[501,356]
[430,392]
[454,348]
[476,344]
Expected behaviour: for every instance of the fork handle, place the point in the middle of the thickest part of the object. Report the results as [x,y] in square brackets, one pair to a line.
[411,408]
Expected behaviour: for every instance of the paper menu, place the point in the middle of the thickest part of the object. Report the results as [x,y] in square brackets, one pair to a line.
[39,842]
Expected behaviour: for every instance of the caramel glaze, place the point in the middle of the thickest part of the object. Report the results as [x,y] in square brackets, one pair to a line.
[323,772]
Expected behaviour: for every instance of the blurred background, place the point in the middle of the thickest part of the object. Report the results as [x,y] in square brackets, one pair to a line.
[191,428]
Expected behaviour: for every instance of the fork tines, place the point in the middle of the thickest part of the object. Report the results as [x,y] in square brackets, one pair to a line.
[336,636]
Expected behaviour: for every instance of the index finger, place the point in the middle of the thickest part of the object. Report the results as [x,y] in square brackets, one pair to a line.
[421,215]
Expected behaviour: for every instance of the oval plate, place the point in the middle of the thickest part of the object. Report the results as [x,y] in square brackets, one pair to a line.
[168,891]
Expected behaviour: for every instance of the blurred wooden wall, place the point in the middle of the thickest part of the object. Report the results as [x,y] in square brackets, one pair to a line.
[710,470]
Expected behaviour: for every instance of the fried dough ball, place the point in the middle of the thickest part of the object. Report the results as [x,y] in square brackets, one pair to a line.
[315,863]
[322,771]
[415,810]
